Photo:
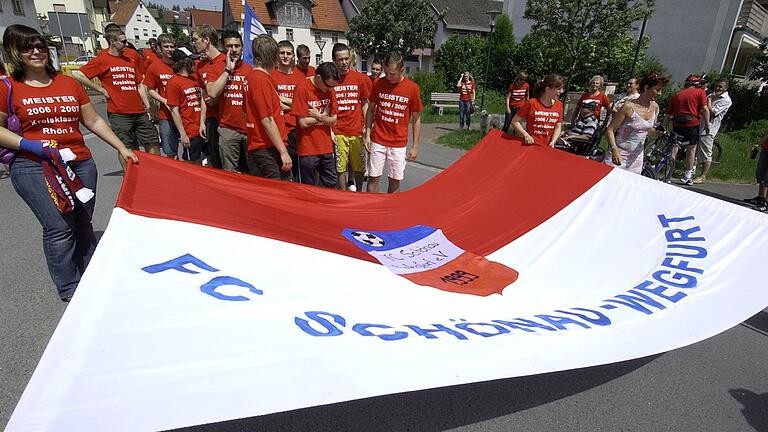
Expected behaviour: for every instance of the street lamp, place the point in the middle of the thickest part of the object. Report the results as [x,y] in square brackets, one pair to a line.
[492,17]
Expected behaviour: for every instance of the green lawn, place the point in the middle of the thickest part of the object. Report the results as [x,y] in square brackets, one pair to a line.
[735,166]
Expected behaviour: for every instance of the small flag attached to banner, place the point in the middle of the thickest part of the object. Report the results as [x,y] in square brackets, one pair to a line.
[251,28]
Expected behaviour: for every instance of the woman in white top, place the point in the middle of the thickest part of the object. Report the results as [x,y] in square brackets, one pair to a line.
[630,125]
[632,93]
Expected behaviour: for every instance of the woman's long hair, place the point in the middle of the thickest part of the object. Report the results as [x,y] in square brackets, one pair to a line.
[551,80]
[15,39]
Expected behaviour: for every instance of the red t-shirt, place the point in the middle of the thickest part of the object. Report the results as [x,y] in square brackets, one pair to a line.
[230,106]
[688,101]
[203,70]
[149,57]
[286,86]
[394,104]
[262,101]
[601,100]
[518,94]
[314,140]
[156,77]
[465,90]
[50,113]
[135,56]
[541,120]
[120,76]
[308,72]
[350,92]
[185,93]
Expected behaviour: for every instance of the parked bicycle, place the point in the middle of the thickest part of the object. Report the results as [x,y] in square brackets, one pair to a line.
[658,163]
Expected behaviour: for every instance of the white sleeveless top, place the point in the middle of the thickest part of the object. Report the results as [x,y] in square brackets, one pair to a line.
[632,132]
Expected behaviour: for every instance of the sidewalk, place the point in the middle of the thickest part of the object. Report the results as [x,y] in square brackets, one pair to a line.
[441,157]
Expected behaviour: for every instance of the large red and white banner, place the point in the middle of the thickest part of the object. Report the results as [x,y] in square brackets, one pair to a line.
[216,296]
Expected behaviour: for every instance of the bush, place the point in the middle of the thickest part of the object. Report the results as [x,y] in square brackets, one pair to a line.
[428,83]
[736,164]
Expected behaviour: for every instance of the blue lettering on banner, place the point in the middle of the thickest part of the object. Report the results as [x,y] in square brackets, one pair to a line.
[210,287]
[667,285]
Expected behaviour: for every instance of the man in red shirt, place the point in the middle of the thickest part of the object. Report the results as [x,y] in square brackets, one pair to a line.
[185,98]
[351,93]
[686,110]
[303,57]
[155,80]
[376,68]
[205,40]
[315,108]
[517,94]
[120,77]
[395,102]
[286,77]
[267,154]
[150,53]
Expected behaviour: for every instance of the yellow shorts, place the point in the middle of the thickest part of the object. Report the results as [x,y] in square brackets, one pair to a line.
[349,149]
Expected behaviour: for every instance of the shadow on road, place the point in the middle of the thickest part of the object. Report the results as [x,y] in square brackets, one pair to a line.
[754,409]
[118,173]
[718,196]
[435,409]
[758,323]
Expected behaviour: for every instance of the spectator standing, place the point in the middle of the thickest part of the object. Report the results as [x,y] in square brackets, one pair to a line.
[376,68]
[51,106]
[351,93]
[686,110]
[265,125]
[594,94]
[760,202]
[302,61]
[630,94]
[543,114]
[286,77]
[206,41]
[719,102]
[120,76]
[185,99]
[155,80]
[315,108]
[631,124]
[517,94]
[395,103]
[466,86]
[227,87]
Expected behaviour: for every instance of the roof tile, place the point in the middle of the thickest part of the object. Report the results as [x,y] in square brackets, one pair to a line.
[326,14]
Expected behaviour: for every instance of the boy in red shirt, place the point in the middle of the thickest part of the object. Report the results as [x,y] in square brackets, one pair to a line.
[227,87]
[120,76]
[185,98]
[315,108]
[351,93]
[303,57]
[205,40]
[517,94]
[395,102]
[686,109]
[267,154]
[150,54]
[286,77]
[155,80]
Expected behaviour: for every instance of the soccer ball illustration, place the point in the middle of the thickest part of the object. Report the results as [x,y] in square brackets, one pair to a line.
[371,240]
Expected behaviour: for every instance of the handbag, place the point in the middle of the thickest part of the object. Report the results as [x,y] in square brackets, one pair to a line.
[7,156]
[472,108]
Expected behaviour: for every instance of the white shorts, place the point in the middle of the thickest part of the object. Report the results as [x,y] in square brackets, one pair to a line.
[395,156]
[704,150]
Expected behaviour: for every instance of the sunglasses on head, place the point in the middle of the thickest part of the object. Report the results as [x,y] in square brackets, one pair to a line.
[40,47]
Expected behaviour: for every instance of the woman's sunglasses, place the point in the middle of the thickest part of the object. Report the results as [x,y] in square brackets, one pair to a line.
[43,48]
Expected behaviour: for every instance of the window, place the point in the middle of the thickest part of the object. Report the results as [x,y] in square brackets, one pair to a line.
[334,38]
[18,7]
[364,65]
[318,36]
[136,33]
[289,34]
[59,8]
[269,30]
[318,59]
[146,33]
[146,18]
[154,33]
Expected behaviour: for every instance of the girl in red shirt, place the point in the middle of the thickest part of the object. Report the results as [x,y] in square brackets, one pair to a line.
[51,107]
[517,94]
[185,98]
[543,114]
[594,94]
[466,86]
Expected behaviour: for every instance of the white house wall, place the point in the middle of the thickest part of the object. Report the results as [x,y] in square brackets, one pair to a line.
[307,37]
[134,29]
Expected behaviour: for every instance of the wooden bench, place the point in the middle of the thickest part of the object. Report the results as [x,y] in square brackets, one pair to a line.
[444,100]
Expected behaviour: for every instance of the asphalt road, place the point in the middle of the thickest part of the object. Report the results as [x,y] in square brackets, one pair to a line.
[720,384]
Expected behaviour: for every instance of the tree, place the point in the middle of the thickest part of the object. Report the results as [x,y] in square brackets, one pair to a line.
[583,30]
[176,32]
[392,25]
[459,54]
[501,70]
[176,7]
[759,63]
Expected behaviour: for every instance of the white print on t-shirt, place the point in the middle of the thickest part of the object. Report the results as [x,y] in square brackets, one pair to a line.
[545,121]
[193,98]
[233,90]
[347,96]
[389,110]
[45,110]
[127,80]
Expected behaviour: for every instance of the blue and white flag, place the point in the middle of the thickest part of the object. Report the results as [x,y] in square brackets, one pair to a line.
[251,28]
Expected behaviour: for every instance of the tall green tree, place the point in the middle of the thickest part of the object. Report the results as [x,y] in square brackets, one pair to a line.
[392,25]
[502,70]
[459,54]
[177,33]
[759,63]
[583,30]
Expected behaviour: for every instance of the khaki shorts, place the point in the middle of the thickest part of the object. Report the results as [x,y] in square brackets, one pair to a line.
[704,150]
[349,149]
[134,130]
[380,154]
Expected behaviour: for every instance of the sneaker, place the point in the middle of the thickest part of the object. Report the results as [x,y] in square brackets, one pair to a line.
[352,188]
[699,180]
[762,207]
[756,201]
[686,181]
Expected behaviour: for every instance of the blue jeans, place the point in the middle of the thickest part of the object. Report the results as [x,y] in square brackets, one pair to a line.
[464,107]
[68,239]
[169,138]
